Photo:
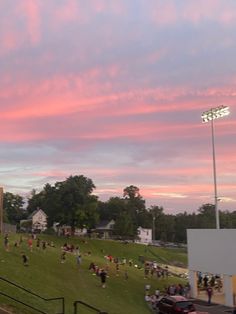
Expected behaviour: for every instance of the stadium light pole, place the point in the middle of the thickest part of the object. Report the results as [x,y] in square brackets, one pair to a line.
[1,210]
[207,116]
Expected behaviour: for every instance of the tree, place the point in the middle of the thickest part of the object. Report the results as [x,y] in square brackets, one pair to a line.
[206,216]
[75,200]
[68,202]
[35,200]
[156,215]
[112,208]
[124,226]
[13,206]
[131,192]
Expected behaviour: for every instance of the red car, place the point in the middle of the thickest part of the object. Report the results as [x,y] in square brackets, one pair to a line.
[175,304]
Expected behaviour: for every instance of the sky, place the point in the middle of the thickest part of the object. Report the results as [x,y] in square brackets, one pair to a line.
[114,90]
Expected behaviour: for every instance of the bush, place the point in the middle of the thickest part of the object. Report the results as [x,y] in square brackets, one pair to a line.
[49,231]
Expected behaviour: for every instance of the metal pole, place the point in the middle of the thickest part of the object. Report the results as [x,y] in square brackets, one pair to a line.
[153,228]
[214,173]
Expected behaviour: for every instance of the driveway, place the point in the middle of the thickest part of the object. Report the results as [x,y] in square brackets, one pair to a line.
[212,309]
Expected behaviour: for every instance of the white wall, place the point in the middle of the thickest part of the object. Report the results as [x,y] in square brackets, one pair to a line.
[39,220]
[145,235]
[212,251]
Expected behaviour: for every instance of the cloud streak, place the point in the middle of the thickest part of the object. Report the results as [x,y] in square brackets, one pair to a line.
[115,91]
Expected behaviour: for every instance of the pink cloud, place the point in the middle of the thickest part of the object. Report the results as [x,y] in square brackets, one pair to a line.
[170,12]
[67,12]
[109,7]
[31,10]
[164,13]
[9,42]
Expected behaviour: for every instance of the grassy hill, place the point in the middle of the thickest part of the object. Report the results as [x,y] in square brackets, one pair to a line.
[48,277]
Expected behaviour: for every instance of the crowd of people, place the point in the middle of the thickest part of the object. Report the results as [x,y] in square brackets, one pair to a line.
[209,283]
[214,281]
[34,242]
[173,289]
[153,269]
[121,265]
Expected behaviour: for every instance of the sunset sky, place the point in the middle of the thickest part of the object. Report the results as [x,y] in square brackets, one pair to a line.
[114,90]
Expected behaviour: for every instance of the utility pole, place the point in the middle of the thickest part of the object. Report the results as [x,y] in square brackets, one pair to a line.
[153,227]
[1,210]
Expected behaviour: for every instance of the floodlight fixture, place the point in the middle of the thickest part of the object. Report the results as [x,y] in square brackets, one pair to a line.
[211,115]
[215,113]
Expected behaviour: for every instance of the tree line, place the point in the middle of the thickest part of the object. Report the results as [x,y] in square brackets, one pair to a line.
[72,202]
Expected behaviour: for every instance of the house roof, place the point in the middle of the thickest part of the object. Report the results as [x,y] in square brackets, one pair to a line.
[35,212]
[104,224]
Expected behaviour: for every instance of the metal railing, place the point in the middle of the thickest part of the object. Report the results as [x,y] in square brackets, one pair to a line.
[88,306]
[33,294]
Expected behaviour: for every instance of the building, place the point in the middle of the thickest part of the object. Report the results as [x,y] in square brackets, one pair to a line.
[144,235]
[105,229]
[212,252]
[66,230]
[36,222]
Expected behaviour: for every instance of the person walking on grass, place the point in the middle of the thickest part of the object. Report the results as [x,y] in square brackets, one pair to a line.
[30,244]
[78,260]
[63,257]
[6,242]
[103,276]
[25,259]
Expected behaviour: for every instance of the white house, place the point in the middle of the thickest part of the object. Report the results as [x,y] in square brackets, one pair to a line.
[213,252]
[144,235]
[37,221]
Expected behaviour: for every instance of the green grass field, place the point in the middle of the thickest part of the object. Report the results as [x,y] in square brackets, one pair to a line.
[48,277]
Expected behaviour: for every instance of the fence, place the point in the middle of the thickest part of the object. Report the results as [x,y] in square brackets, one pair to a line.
[28,292]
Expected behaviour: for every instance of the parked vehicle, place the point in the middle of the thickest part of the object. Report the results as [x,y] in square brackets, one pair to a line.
[175,304]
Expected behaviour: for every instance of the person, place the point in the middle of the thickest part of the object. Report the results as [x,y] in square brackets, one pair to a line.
[205,281]
[25,259]
[63,257]
[77,250]
[187,289]
[103,276]
[147,298]
[30,244]
[218,284]
[209,291]
[166,271]
[212,281]
[44,245]
[146,270]
[147,289]
[234,310]
[153,300]
[199,279]
[6,242]
[78,260]
[117,269]
[92,267]
[38,243]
